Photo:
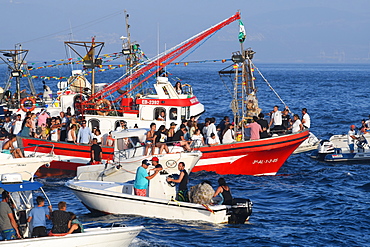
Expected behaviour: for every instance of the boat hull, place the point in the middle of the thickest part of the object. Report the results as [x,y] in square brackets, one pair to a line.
[257,157]
[110,237]
[71,155]
[27,167]
[107,197]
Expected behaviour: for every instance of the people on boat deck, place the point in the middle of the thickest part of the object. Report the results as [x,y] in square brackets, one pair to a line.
[61,219]
[368,122]
[37,217]
[160,139]
[285,119]
[123,125]
[171,132]
[351,138]
[264,125]
[197,139]
[224,191]
[363,128]
[149,142]
[71,136]
[84,134]
[173,114]
[8,125]
[306,120]
[63,128]
[76,226]
[8,226]
[17,124]
[179,138]
[223,124]
[8,147]
[142,178]
[297,124]
[26,127]
[212,140]
[178,87]
[162,116]
[98,135]
[109,140]
[276,119]
[183,180]
[212,129]
[255,129]
[155,163]
[228,135]
[96,153]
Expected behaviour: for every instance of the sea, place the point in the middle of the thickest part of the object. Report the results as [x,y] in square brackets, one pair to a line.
[308,203]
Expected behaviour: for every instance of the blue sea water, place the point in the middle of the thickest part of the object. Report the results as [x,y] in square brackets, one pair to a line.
[309,203]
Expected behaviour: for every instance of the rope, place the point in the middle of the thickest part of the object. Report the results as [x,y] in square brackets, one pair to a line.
[269,85]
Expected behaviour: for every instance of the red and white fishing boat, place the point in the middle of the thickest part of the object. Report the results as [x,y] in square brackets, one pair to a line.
[137,108]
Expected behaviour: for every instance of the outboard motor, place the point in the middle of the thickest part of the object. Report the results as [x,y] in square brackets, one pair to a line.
[239,211]
[325,147]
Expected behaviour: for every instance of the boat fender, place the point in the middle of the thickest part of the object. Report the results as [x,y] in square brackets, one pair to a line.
[33,101]
[111,170]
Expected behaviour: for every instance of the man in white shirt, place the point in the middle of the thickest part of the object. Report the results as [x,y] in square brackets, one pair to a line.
[17,124]
[276,119]
[306,120]
[368,122]
[351,138]
[212,129]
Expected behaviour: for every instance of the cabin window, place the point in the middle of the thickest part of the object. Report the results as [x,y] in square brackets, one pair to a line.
[94,123]
[173,114]
[124,143]
[160,114]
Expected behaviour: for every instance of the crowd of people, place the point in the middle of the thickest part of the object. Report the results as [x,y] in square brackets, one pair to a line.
[63,222]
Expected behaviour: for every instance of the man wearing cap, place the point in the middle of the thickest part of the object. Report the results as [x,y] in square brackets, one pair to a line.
[142,178]
[351,138]
[179,137]
[155,163]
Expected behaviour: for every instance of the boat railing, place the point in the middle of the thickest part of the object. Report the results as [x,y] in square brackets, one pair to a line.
[36,147]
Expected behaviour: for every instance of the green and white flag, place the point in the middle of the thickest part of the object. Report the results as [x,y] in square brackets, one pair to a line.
[242,33]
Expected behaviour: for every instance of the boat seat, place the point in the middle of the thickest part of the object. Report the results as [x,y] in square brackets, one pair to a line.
[128,189]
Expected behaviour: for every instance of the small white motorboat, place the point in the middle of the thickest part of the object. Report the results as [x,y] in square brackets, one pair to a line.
[27,167]
[311,143]
[119,198]
[21,194]
[337,149]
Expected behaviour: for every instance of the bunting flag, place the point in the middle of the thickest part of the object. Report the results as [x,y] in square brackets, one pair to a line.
[242,33]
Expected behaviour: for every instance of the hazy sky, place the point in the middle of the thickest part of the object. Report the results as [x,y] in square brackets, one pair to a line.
[279,31]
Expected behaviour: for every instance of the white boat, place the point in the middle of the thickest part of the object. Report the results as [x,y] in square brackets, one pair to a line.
[337,149]
[93,237]
[311,143]
[27,167]
[126,161]
[21,193]
[119,198]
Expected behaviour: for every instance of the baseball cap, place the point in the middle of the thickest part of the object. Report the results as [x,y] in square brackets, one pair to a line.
[155,159]
[173,124]
[144,162]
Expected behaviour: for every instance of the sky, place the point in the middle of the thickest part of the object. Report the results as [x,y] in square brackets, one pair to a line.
[280,31]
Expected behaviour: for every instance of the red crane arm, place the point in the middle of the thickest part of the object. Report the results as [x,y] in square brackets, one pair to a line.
[161,62]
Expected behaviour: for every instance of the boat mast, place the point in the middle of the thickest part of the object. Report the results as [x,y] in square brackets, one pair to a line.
[15,59]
